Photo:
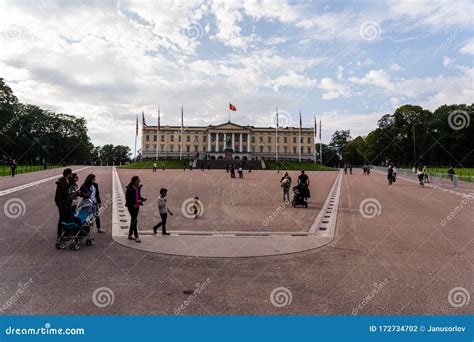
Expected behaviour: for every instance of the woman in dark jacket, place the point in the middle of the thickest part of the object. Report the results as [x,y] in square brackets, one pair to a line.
[133,201]
[90,189]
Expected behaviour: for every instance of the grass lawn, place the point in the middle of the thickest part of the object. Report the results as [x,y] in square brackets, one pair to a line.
[286,165]
[148,164]
[5,169]
[464,174]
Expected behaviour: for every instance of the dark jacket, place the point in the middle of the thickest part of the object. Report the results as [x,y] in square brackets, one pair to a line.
[85,192]
[62,197]
[130,196]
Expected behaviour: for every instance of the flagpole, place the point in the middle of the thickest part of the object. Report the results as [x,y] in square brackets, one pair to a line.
[276,141]
[136,137]
[158,134]
[181,136]
[143,131]
[299,141]
[320,144]
[315,136]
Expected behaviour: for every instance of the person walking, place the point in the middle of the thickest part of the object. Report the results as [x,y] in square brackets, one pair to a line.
[133,201]
[286,185]
[350,169]
[63,200]
[184,166]
[163,210]
[227,168]
[421,177]
[154,167]
[390,174]
[209,166]
[90,189]
[304,180]
[241,171]
[197,209]
[232,171]
[426,173]
[451,173]
[13,167]
[345,169]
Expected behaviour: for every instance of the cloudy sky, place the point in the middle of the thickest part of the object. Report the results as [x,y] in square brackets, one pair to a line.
[348,62]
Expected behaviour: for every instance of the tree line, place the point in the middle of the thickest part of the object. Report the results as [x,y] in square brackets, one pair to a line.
[411,136]
[35,136]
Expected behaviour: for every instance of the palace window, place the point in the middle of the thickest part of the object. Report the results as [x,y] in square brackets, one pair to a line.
[309,149]
[285,148]
[172,137]
[309,140]
[171,148]
[188,138]
[253,140]
[187,148]
[147,137]
[253,149]
[147,147]
[204,138]
[162,148]
[285,140]
[162,137]
[270,140]
[154,137]
[261,149]
[294,140]
[294,149]
[269,149]
[154,147]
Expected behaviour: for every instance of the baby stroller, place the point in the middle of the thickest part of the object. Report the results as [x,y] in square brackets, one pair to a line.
[79,228]
[300,195]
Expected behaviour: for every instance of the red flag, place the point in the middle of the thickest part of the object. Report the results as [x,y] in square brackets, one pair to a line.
[232,107]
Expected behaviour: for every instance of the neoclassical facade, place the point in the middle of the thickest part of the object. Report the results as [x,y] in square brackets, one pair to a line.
[226,141]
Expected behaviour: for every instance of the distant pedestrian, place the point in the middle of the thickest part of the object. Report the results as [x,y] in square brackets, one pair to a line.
[202,166]
[184,166]
[286,185]
[63,200]
[227,168]
[241,171]
[232,171]
[345,169]
[13,167]
[154,167]
[250,168]
[209,166]
[163,210]
[90,189]
[191,165]
[163,167]
[133,201]
[390,174]
[303,179]
[421,177]
[426,174]
[350,169]
[451,173]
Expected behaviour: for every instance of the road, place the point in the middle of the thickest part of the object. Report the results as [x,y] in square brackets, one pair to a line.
[402,261]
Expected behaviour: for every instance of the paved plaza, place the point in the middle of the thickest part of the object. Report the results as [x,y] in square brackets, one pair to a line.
[393,248]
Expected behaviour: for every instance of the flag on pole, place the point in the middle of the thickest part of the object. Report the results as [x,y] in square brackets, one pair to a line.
[158,128]
[299,139]
[276,133]
[143,119]
[181,134]
[315,130]
[232,107]
[277,116]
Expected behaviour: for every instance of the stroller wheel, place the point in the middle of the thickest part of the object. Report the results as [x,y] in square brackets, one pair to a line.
[74,246]
[90,242]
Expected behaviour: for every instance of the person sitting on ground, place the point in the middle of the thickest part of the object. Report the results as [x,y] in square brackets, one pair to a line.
[163,210]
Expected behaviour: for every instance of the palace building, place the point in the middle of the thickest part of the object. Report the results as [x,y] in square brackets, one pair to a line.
[227,141]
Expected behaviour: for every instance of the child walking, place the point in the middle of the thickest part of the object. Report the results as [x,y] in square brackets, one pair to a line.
[163,210]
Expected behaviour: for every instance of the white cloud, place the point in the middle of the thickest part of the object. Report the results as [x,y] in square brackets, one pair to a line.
[447,61]
[333,89]
[294,80]
[468,47]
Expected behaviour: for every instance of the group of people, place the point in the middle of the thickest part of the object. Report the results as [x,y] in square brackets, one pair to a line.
[391,173]
[240,170]
[302,181]
[366,169]
[347,166]
[67,197]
